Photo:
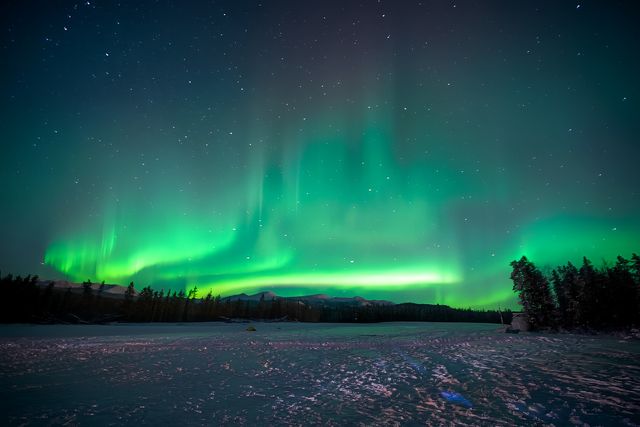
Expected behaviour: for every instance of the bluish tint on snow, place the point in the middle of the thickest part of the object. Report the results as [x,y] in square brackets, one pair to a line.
[306,374]
[456,398]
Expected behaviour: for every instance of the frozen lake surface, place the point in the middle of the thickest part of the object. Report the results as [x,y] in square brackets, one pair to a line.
[307,374]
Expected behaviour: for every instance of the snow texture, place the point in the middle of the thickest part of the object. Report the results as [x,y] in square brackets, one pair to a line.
[308,374]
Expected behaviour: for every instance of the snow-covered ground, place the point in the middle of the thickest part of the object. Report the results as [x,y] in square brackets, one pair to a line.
[306,374]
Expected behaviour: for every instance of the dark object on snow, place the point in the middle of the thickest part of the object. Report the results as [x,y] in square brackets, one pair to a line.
[250,329]
[520,321]
[511,330]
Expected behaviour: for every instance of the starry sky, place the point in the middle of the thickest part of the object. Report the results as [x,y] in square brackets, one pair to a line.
[403,150]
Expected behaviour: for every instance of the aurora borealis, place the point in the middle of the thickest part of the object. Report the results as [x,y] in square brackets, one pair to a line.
[404,150]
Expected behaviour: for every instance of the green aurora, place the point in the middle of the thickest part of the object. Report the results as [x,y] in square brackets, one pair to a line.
[394,152]
[341,216]
[354,221]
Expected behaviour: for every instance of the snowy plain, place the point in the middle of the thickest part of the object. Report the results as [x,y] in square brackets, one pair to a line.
[310,374]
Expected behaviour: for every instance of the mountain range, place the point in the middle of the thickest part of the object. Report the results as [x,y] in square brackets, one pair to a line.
[117,291]
[315,299]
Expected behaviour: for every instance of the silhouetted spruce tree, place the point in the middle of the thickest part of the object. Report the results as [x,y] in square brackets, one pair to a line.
[591,301]
[206,307]
[635,268]
[46,300]
[188,302]
[562,297]
[166,308]
[128,300]
[622,294]
[160,306]
[179,306]
[635,273]
[533,292]
[216,305]
[262,308]
[143,306]
[567,288]
[130,292]
[86,302]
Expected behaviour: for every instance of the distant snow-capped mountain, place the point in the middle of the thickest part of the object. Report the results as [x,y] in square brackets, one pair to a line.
[315,299]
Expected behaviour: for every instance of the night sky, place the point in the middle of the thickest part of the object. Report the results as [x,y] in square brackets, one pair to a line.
[404,150]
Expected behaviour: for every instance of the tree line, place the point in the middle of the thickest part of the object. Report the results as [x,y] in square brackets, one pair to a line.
[25,300]
[582,297]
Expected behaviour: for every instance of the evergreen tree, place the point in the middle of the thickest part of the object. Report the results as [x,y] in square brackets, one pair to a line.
[533,292]
[130,292]
[144,305]
[128,300]
[635,273]
[193,293]
[567,288]
[591,302]
[635,268]
[87,288]
[621,293]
